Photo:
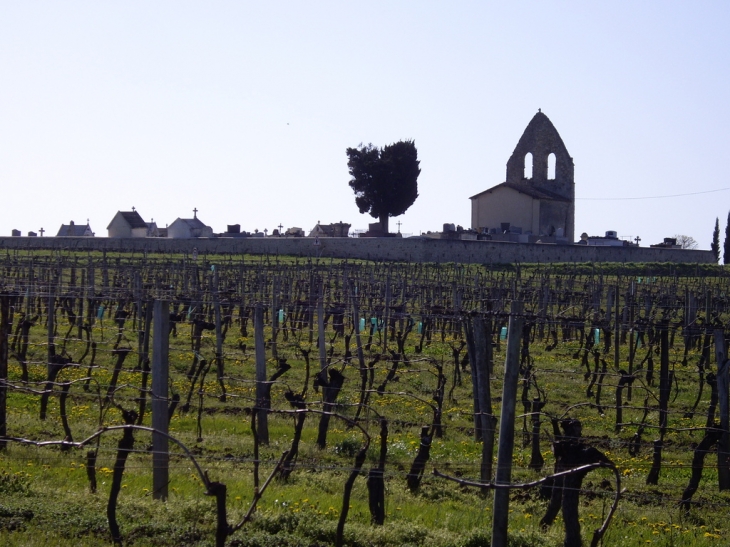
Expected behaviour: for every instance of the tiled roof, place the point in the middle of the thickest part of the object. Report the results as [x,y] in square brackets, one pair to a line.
[133,219]
[71,230]
[194,222]
[526,189]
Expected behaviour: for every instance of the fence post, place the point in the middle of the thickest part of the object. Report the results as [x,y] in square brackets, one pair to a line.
[218,335]
[90,294]
[507,426]
[160,377]
[139,303]
[51,318]
[4,329]
[723,447]
[262,395]
[386,311]
[482,358]
[321,339]
[274,318]
[632,345]
[617,327]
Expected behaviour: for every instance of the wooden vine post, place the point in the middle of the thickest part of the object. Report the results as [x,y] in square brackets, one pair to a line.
[632,343]
[482,359]
[274,318]
[4,329]
[507,426]
[263,403]
[723,447]
[321,344]
[617,328]
[218,335]
[160,378]
[50,323]
[360,354]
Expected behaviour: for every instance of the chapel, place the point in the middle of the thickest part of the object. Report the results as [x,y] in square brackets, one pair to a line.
[537,199]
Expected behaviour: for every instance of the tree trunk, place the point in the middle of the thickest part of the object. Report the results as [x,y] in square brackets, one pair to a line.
[384,223]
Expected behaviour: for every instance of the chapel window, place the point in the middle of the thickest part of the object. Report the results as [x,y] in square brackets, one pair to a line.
[551,167]
[528,166]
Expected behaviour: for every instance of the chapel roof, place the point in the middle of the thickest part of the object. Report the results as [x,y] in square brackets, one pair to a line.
[134,219]
[72,230]
[529,190]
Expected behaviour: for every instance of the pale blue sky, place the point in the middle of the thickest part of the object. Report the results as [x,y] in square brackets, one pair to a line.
[244,109]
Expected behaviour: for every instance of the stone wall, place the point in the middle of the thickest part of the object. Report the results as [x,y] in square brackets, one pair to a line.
[379,249]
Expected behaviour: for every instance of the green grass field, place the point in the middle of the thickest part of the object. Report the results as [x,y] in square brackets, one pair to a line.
[45,497]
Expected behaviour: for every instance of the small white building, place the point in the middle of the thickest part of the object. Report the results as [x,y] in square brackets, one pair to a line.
[186,228]
[337,229]
[127,224]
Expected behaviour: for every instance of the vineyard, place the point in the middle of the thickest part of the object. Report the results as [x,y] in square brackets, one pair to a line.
[260,401]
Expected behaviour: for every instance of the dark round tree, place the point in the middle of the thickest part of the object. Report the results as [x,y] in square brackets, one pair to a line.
[385,181]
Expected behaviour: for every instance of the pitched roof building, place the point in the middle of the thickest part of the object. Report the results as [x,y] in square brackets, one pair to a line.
[538,195]
[186,228]
[75,230]
[337,229]
[127,224]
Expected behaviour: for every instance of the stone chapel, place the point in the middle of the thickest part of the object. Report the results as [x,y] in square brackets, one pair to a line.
[537,200]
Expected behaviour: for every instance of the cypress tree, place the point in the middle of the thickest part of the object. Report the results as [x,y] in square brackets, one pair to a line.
[726,246]
[716,240]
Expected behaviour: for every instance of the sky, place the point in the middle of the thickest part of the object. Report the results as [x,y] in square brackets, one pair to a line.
[244,110]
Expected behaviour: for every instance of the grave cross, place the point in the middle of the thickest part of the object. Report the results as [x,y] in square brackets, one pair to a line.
[637,239]
[41,231]
[398,223]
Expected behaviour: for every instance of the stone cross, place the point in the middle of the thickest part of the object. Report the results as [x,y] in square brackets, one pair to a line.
[195,213]
[41,231]
[637,239]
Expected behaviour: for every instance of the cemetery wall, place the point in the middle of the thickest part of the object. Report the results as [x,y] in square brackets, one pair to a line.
[377,249]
